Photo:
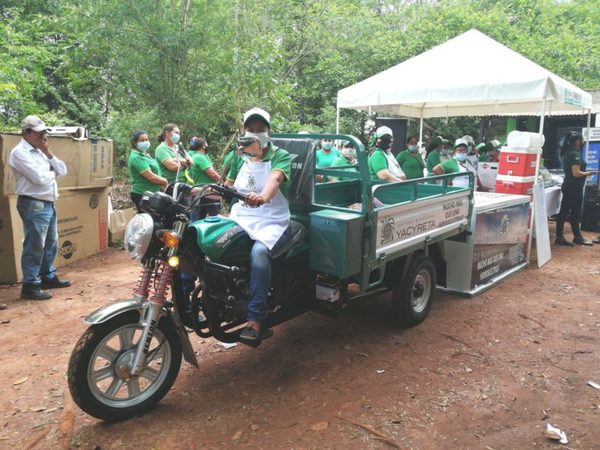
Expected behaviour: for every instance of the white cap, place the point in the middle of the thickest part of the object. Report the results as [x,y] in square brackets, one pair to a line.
[468,139]
[461,141]
[33,123]
[303,132]
[384,131]
[257,112]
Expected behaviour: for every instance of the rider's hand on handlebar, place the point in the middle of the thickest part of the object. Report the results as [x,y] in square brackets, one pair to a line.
[254,199]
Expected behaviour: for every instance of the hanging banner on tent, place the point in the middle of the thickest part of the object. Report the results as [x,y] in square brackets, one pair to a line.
[593,155]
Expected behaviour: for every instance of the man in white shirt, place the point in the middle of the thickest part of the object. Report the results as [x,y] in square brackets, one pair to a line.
[35,168]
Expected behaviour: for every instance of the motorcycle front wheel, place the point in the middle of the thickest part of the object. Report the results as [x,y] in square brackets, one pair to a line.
[98,374]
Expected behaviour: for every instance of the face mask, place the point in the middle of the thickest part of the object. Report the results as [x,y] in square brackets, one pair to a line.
[445,151]
[143,146]
[384,145]
[263,138]
[460,156]
[349,153]
[175,138]
[413,148]
[326,145]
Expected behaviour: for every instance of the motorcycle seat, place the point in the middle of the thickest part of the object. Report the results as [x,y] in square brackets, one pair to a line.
[298,236]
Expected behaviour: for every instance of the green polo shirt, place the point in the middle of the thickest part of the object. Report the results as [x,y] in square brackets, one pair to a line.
[377,162]
[433,159]
[197,171]
[228,157]
[572,157]
[411,164]
[162,153]
[140,162]
[280,160]
[325,159]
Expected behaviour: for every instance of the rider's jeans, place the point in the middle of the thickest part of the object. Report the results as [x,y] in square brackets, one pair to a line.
[41,238]
[260,276]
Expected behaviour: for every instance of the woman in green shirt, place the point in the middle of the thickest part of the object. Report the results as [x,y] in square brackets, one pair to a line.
[202,172]
[433,153]
[410,160]
[572,189]
[144,171]
[172,159]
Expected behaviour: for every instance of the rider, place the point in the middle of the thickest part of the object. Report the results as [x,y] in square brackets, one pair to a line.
[262,172]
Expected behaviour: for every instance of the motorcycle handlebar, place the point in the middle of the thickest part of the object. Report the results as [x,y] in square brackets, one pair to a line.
[227,192]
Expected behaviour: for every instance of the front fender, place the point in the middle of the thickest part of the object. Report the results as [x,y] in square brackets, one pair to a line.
[107,312]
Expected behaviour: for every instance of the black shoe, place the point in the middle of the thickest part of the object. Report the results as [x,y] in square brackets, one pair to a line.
[54,283]
[580,240]
[560,240]
[597,240]
[252,335]
[32,291]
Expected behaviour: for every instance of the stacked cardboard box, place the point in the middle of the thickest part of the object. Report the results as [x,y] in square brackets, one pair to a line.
[82,207]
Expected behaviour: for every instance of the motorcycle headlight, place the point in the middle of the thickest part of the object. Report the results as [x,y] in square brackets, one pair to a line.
[138,235]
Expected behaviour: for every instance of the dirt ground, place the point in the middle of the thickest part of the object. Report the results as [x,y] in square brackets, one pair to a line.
[483,373]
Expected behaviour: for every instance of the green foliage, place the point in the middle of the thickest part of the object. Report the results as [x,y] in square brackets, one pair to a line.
[118,65]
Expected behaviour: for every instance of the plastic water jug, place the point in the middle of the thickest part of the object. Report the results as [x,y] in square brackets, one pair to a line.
[524,139]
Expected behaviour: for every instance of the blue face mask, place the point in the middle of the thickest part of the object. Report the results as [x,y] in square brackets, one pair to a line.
[175,138]
[326,145]
[143,146]
[413,148]
[460,156]
[445,151]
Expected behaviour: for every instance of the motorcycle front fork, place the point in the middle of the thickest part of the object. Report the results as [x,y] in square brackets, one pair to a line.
[150,316]
[154,304]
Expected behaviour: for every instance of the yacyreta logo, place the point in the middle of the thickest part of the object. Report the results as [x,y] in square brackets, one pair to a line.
[67,249]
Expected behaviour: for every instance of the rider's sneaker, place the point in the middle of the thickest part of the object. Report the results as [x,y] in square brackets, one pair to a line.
[253,335]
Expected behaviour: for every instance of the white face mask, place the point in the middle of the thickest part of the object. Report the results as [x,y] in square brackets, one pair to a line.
[263,138]
[349,153]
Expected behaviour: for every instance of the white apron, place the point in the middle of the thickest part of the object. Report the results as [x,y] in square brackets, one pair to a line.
[471,167]
[267,222]
[462,182]
[393,166]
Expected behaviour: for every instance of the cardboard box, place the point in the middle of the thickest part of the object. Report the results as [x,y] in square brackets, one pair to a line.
[82,216]
[89,161]
[117,222]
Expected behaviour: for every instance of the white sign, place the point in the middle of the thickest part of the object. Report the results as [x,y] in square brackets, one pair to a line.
[593,134]
[419,219]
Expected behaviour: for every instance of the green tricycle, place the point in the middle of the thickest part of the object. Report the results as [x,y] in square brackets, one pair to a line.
[350,237]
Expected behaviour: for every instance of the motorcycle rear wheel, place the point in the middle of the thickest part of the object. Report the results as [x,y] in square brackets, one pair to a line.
[98,377]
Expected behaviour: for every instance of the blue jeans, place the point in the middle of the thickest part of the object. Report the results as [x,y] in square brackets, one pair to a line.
[260,277]
[41,239]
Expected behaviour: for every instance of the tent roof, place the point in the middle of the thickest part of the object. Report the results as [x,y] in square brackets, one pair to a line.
[438,83]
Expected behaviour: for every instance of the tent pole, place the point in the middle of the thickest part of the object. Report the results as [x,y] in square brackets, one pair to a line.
[337,120]
[537,172]
[421,130]
[587,139]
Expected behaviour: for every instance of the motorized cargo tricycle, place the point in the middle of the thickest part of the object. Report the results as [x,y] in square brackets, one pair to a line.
[350,237]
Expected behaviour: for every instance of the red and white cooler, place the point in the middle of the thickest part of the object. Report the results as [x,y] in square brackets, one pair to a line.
[518,162]
[508,184]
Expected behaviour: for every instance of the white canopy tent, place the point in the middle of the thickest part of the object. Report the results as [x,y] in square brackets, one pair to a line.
[469,75]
